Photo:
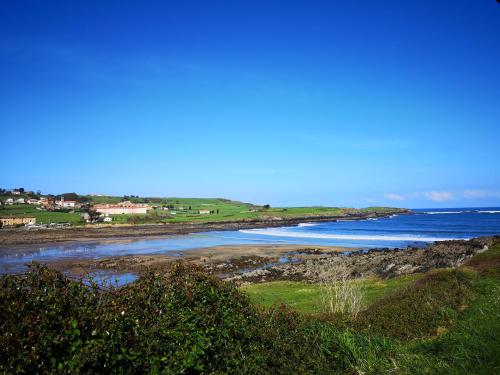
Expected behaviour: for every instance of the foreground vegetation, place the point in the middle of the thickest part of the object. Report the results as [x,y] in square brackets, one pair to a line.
[446,321]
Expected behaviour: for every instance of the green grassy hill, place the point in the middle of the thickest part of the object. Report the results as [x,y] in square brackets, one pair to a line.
[187,210]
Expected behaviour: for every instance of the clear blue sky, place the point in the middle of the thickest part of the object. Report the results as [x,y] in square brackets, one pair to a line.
[288,103]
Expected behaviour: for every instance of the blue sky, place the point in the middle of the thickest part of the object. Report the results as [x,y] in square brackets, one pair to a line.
[288,103]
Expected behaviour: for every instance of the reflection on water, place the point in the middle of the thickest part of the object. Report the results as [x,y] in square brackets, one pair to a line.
[109,279]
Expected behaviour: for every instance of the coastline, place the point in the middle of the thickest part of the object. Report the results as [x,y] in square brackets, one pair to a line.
[23,236]
[261,263]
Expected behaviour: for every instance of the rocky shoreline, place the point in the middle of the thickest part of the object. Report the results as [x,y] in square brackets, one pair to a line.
[382,263]
[23,236]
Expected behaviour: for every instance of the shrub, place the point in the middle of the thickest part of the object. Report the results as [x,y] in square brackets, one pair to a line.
[179,322]
[340,294]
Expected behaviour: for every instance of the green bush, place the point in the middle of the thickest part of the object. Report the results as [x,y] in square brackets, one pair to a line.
[179,322]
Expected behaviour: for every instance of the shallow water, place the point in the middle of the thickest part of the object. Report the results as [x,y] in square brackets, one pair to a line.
[109,279]
[397,231]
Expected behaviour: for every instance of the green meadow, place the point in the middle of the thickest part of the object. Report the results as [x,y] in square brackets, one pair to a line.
[305,297]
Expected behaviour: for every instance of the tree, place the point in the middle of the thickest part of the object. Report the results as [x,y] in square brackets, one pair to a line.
[93,215]
[266,207]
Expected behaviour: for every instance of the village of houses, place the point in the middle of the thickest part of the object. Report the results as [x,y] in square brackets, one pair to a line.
[91,213]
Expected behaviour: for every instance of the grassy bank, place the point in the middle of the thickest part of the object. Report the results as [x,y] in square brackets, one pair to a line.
[443,322]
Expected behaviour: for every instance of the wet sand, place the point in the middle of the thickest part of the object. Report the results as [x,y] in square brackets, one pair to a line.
[235,256]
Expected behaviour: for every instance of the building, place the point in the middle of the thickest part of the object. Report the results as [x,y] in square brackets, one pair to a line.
[15,192]
[122,208]
[19,201]
[47,201]
[33,201]
[13,221]
[204,212]
[9,201]
[67,204]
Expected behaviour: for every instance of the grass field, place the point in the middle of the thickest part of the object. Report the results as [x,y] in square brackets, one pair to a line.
[183,210]
[305,297]
[42,217]
[187,210]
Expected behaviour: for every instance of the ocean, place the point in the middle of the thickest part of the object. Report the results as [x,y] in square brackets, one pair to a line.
[419,229]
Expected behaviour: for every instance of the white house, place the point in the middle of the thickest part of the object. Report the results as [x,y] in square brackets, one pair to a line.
[67,204]
[204,212]
[33,201]
[9,201]
[19,201]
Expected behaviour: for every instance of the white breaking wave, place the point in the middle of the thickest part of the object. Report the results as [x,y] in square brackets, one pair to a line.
[462,212]
[281,233]
[307,224]
[246,239]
